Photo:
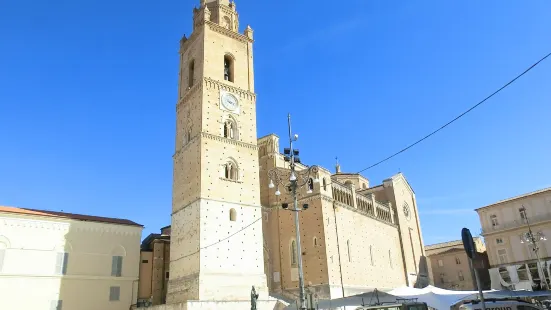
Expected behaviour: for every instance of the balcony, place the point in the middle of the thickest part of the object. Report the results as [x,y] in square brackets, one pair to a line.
[534,220]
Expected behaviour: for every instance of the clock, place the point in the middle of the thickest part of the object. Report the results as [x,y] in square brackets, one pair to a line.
[229,101]
[407,211]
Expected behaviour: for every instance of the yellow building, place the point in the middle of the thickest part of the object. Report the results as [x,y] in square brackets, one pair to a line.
[154,268]
[513,261]
[357,237]
[221,242]
[451,268]
[56,260]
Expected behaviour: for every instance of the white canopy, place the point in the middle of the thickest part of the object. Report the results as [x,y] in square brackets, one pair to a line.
[435,297]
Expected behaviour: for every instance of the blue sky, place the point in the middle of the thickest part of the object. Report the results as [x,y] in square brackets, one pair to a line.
[88,92]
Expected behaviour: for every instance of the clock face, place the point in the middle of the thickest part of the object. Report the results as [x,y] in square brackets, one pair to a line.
[407,212]
[230,101]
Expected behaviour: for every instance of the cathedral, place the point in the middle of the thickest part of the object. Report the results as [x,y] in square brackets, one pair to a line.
[354,237]
[229,232]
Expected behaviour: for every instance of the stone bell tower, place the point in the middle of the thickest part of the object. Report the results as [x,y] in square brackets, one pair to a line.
[216,243]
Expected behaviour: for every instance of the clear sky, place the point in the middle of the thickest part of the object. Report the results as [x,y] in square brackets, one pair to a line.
[88,92]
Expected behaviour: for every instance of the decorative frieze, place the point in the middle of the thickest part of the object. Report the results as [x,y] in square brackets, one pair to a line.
[234,35]
[229,141]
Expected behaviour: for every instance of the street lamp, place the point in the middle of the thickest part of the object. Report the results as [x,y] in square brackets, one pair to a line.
[534,239]
[294,180]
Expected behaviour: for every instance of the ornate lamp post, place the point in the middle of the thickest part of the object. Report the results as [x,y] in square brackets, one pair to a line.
[294,180]
[533,239]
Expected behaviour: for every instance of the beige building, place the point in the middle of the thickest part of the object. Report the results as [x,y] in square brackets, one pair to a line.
[222,244]
[355,237]
[154,268]
[56,260]
[450,267]
[513,262]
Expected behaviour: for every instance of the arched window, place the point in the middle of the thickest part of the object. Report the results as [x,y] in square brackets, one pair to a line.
[230,129]
[231,170]
[188,135]
[293,253]
[311,184]
[324,184]
[191,73]
[227,22]
[348,248]
[3,247]
[364,186]
[347,183]
[233,215]
[228,68]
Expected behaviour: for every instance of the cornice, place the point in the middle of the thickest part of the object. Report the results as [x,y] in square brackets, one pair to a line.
[234,35]
[214,84]
[188,94]
[70,226]
[229,141]
[75,277]
[189,41]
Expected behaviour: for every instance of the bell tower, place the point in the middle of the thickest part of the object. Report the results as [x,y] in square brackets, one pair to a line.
[216,243]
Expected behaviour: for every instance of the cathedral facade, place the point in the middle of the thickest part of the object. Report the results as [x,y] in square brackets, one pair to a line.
[228,232]
[354,237]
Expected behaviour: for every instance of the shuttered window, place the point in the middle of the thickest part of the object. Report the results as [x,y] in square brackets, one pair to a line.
[114,293]
[116,266]
[62,259]
[2,254]
[56,305]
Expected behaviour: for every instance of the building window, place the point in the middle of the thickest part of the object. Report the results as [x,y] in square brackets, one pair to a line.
[233,215]
[166,274]
[116,266]
[522,213]
[442,278]
[315,241]
[62,259]
[502,256]
[371,254]
[114,293]
[230,130]
[311,184]
[191,73]
[348,248]
[144,261]
[457,261]
[2,254]
[440,263]
[293,253]
[56,305]
[499,241]
[324,184]
[228,68]
[461,277]
[231,171]
[493,218]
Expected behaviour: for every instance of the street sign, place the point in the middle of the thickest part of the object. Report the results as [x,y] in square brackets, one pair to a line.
[468,243]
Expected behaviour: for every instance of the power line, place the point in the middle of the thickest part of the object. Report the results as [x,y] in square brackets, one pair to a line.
[397,153]
[219,241]
[458,117]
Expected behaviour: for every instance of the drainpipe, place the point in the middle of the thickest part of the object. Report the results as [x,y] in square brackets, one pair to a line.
[338,248]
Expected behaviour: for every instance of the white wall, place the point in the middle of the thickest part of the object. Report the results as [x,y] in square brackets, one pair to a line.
[29,278]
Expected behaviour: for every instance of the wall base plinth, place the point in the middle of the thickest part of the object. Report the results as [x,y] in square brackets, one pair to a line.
[220,305]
